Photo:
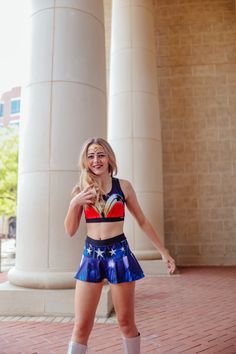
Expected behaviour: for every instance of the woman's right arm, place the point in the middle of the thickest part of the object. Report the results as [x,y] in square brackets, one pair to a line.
[74,213]
[73,217]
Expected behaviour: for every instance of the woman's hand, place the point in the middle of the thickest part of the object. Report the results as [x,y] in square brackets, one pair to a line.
[72,220]
[170,262]
[86,196]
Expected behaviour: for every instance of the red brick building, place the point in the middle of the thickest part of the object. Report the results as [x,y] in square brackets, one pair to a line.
[10,107]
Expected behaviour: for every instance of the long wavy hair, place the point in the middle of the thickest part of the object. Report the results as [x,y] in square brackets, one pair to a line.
[87,177]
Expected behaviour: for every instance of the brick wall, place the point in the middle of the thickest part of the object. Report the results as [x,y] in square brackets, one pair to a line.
[196,60]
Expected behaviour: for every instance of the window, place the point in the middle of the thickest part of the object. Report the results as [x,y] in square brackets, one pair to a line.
[1,109]
[15,106]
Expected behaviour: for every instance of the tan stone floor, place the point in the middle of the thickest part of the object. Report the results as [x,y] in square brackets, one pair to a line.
[193,312]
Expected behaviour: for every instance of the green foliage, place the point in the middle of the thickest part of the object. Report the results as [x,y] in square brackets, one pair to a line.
[8,170]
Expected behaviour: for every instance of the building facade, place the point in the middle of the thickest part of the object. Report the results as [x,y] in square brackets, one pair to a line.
[10,102]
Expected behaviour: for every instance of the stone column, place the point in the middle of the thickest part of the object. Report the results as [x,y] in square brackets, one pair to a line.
[64,103]
[134,124]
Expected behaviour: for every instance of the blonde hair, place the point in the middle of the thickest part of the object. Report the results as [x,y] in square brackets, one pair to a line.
[86,176]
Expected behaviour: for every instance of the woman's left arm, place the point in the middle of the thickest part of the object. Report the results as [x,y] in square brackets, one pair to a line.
[135,209]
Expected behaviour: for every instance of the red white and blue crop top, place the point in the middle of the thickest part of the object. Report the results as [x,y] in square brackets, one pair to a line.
[114,209]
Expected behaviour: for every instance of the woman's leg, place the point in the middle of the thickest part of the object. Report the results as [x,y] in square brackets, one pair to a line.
[87,296]
[123,300]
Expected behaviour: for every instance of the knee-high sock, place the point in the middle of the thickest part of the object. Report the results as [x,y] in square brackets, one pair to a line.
[132,345]
[76,348]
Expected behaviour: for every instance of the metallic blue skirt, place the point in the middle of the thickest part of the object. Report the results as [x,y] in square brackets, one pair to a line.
[109,259]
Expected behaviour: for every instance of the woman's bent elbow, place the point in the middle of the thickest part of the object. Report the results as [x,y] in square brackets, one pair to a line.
[70,231]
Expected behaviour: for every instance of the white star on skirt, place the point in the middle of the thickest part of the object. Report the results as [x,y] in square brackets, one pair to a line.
[99,253]
[89,251]
[112,252]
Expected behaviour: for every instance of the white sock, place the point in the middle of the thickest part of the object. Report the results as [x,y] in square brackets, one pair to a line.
[76,348]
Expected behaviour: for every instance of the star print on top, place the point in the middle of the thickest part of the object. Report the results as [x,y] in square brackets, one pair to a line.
[114,206]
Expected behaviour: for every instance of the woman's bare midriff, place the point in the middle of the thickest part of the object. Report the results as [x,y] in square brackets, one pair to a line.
[104,230]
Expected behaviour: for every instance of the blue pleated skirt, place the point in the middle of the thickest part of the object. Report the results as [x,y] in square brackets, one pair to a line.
[109,259]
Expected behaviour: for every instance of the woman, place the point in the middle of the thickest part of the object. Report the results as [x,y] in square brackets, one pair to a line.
[106,253]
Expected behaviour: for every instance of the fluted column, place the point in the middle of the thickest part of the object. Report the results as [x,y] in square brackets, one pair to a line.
[64,103]
[134,124]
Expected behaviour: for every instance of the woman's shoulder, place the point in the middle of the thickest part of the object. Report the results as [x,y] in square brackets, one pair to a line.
[125,185]
[124,182]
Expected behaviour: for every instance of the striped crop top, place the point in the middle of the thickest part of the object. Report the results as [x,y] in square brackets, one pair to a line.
[114,206]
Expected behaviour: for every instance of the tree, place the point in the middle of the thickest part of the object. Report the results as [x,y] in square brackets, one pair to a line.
[8,170]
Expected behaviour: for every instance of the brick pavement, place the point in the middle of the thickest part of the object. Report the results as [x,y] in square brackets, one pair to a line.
[190,313]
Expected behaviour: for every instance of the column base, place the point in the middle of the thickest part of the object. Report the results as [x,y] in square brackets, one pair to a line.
[154,267]
[147,254]
[41,280]
[19,301]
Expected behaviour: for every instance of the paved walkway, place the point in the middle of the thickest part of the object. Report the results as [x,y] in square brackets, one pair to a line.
[190,313]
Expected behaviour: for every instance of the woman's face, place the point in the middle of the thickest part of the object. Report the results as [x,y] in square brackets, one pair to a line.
[98,161]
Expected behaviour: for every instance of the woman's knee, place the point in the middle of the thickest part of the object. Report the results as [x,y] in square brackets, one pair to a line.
[82,328]
[127,326]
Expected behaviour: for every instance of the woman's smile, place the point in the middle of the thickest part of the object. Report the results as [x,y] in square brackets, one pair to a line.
[97,159]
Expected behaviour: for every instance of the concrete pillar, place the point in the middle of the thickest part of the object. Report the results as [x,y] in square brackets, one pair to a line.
[64,103]
[134,124]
